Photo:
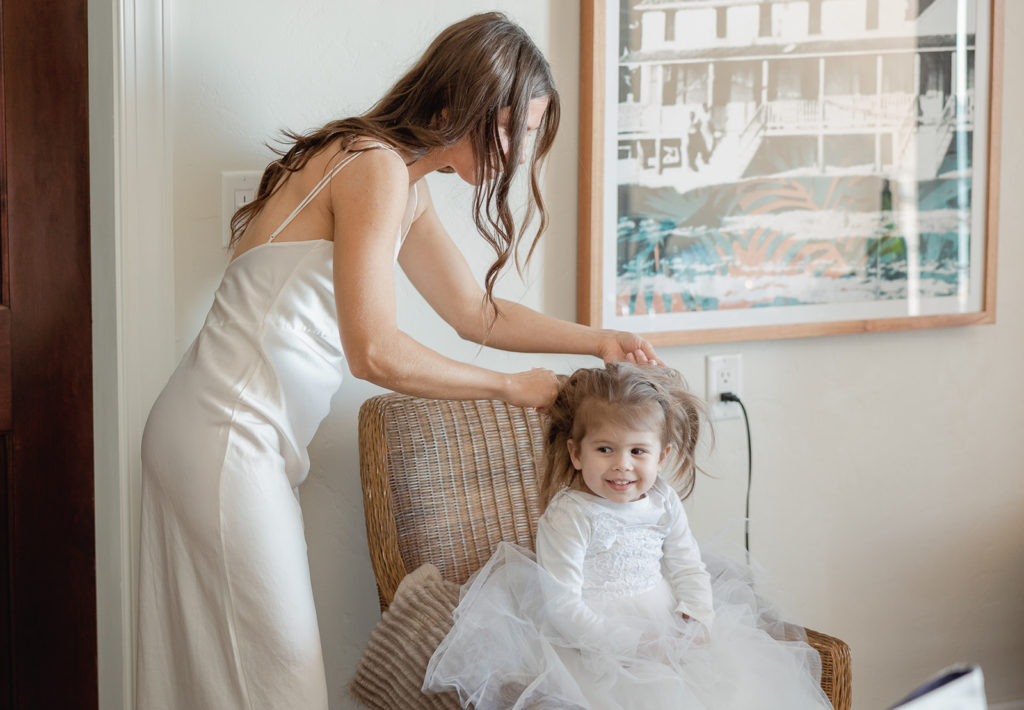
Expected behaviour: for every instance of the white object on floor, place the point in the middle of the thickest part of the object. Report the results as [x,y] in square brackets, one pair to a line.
[960,687]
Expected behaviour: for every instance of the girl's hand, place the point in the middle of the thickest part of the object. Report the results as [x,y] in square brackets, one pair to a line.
[700,632]
[535,388]
[619,346]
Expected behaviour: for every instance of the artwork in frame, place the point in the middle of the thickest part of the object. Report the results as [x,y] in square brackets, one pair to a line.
[756,169]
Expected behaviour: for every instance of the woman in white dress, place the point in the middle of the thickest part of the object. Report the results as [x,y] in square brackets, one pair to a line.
[226,615]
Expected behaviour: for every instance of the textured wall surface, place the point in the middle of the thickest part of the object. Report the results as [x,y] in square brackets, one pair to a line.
[889,468]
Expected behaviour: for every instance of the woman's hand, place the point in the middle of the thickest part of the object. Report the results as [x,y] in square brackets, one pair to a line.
[535,388]
[619,346]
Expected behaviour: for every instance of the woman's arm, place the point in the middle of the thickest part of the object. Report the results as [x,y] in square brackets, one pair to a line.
[439,271]
[368,201]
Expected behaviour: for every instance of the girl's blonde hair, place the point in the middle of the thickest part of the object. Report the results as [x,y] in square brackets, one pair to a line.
[471,71]
[629,395]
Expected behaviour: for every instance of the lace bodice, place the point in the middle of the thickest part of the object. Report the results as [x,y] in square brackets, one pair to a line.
[600,552]
[623,558]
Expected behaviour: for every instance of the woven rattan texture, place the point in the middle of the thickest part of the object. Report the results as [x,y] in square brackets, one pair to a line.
[450,480]
[836,671]
[445,481]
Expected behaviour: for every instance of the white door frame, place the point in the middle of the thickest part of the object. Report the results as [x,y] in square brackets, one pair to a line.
[133,297]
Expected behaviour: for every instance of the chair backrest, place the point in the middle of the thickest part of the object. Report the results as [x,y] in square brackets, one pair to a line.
[444,482]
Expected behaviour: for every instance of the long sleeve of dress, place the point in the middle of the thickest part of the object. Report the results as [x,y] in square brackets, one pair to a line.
[562,537]
[683,567]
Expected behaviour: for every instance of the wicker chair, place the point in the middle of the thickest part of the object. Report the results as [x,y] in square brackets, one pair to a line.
[445,481]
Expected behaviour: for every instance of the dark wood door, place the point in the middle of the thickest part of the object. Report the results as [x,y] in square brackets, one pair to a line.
[47,559]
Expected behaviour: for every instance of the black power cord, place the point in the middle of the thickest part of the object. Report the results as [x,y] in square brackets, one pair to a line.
[730,397]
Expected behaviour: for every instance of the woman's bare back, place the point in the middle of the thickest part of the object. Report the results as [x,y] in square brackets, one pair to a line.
[316,220]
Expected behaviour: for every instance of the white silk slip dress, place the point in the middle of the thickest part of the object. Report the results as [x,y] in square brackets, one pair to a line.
[226,615]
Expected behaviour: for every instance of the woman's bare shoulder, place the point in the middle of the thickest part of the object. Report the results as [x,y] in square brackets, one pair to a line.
[368,166]
[376,154]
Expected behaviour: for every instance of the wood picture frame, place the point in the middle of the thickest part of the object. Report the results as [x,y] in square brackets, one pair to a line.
[759,169]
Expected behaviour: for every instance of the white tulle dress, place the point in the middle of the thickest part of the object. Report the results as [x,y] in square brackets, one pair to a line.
[595,620]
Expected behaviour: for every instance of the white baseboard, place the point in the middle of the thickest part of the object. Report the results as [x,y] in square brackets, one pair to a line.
[1017,704]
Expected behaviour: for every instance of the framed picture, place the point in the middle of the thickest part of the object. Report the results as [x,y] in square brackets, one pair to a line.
[757,169]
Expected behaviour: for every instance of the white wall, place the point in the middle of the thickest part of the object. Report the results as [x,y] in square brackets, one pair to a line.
[888,467]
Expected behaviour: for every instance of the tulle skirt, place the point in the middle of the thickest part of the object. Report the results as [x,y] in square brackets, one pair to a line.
[504,650]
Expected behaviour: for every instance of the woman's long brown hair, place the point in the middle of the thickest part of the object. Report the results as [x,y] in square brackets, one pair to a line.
[471,71]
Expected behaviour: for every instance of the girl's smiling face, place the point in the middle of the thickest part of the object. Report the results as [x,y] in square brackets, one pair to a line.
[617,462]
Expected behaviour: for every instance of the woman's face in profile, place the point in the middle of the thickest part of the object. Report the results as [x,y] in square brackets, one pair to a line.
[461,158]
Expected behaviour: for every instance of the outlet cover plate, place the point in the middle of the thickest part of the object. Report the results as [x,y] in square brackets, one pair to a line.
[724,374]
[237,187]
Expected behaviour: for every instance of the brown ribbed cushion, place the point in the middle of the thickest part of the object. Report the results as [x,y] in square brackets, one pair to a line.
[391,671]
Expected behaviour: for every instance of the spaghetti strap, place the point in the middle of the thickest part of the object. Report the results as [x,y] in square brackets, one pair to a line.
[324,181]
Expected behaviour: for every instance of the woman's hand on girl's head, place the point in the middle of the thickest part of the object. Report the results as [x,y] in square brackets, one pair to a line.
[535,388]
[619,346]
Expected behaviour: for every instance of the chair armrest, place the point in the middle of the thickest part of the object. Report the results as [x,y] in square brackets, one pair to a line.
[835,668]
[381,530]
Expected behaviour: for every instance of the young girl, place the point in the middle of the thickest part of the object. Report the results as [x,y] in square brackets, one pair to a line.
[618,611]
[226,613]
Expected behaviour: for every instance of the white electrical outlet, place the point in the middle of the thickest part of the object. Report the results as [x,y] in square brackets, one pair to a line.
[237,188]
[724,374]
